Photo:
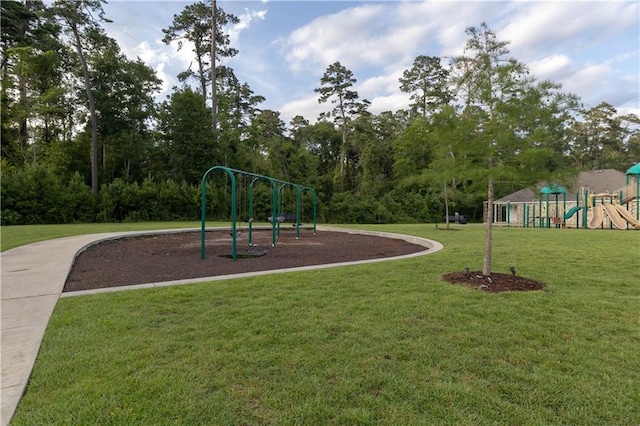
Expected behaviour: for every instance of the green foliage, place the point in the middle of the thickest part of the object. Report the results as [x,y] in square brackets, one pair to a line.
[189,138]
[151,201]
[348,208]
[427,83]
[31,195]
[35,195]
[78,203]
[405,165]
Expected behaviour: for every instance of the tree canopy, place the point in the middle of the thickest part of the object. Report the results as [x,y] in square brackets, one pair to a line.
[79,116]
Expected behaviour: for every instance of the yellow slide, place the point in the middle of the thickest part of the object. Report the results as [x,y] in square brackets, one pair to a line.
[626,215]
[615,217]
[597,216]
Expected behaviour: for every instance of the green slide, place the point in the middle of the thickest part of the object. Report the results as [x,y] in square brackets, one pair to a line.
[571,212]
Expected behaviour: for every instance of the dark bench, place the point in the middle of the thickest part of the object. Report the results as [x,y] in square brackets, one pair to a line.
[460,219]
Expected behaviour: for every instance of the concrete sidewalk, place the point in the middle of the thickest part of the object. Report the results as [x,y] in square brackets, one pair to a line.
[32,280]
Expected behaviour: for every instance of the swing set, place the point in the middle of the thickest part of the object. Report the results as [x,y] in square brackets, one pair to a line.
[277,187]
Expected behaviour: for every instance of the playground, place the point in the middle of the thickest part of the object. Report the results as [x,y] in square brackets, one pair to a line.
[239,249]
[600,199]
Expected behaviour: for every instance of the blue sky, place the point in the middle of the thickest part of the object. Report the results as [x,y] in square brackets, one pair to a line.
[590,47]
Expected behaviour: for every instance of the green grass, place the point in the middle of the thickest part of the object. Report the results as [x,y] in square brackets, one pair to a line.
[387,343]
[14,236]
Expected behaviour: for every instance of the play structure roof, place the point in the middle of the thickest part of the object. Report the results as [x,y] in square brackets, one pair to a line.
[553,189]
[634,170]
[597,181]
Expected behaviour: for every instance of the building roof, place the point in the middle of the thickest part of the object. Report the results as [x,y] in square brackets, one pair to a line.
[597,181]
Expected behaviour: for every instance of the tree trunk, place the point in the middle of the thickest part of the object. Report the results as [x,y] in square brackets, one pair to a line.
[446,205]
[214,103]
[486,268]
[343,155]
[92,110]
[201,73]
[24,128]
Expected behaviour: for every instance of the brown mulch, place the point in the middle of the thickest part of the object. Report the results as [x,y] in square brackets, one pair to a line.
[176,256]
[495,283]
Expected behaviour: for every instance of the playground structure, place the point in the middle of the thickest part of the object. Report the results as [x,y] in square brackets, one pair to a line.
[277,187]
[591,208]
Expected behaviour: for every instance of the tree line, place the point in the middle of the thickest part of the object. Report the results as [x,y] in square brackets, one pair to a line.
[83,138]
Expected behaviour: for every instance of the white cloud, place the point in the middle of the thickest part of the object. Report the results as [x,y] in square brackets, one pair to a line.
[356,36]
[308,107]
[591,48]
[393,102]
[566,26]
[246,20]
[554,67]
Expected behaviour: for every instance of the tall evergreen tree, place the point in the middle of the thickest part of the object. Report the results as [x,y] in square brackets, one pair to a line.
[427,81]
[189,148]
[337,85]
[81,18]
[124,94]
[194,26]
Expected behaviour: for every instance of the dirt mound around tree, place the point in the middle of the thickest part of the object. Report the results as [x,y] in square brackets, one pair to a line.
[495,283]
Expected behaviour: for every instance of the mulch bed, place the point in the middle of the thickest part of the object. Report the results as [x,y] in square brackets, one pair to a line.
[176,256]
[496,283]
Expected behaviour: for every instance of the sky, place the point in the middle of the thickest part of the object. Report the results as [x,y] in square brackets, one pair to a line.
[590,47]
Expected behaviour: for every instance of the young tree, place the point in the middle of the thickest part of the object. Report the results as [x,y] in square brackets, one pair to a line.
[501,102]
[337,85]
[427,81]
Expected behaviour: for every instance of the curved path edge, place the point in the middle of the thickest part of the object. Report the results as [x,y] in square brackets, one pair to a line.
[33,277]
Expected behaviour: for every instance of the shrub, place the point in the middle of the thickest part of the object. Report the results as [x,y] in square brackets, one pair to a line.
[30,196]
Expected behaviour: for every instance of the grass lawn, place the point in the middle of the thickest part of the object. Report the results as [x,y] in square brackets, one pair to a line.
[387,343]
[14,236]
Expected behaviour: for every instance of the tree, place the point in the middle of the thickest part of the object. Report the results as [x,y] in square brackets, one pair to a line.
[81,18]
[601,139]
[195,25]
[237,107]
[497,94]
[320,139]
[427,82]
[33,107]
[124,99]
[336,84]
[187,145]
[377,133]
